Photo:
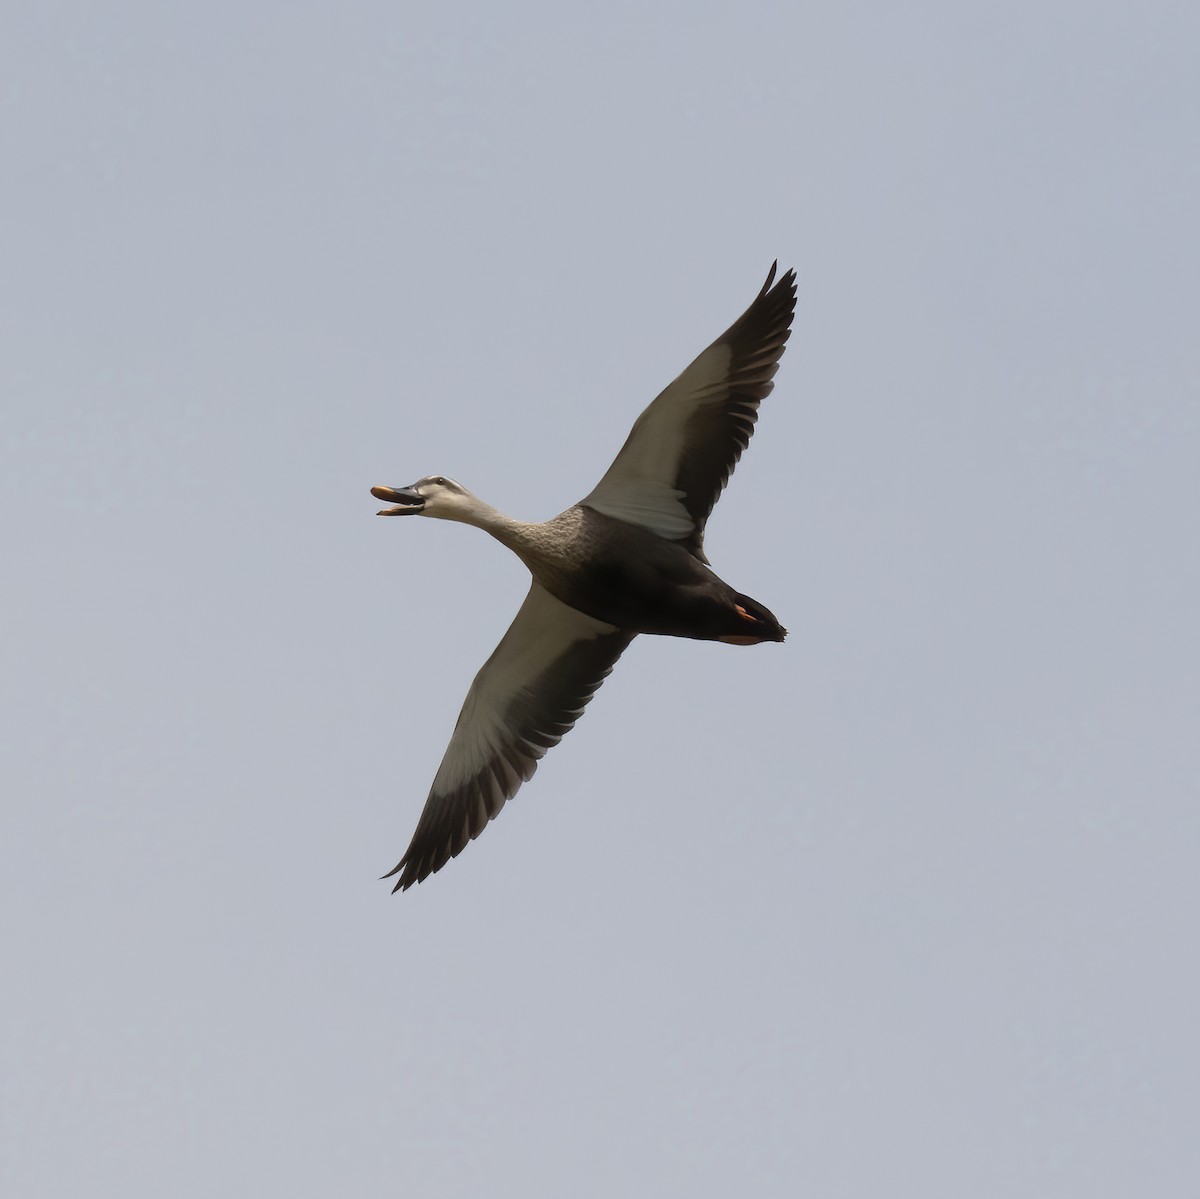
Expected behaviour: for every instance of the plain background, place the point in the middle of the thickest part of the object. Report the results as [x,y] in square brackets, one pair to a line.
[906,906]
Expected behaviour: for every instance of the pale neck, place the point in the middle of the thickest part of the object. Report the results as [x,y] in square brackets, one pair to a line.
[491,520]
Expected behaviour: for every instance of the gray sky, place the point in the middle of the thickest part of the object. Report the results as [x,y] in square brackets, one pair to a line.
[906,906]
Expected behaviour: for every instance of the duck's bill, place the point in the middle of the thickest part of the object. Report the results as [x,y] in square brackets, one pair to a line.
[406,500]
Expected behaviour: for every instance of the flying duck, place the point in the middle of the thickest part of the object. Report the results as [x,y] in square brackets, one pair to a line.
[627,559]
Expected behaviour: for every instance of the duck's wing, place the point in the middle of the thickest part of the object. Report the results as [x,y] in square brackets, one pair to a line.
[526,697]
[683,448]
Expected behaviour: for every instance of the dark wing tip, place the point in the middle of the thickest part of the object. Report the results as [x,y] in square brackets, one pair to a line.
[418,869]
[768,320]
[446,835]
[404,881]
[787,282]
[776,301]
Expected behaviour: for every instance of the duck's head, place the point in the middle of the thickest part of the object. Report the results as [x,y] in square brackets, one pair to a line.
[434,495]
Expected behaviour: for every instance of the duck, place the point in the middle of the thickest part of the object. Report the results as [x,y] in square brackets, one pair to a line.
[627,559]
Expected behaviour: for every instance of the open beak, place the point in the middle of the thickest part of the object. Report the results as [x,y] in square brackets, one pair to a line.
[406,500]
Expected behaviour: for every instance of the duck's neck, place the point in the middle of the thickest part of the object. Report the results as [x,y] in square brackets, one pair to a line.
[506,530]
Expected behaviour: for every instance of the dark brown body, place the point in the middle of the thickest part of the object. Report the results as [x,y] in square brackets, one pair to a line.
[630,577]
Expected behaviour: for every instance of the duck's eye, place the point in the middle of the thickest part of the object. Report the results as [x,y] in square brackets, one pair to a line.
[440,481]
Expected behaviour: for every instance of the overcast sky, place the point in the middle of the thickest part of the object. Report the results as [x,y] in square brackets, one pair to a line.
[905,906]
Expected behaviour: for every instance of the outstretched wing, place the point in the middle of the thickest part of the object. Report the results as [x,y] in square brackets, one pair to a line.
[683,448]
[527,696]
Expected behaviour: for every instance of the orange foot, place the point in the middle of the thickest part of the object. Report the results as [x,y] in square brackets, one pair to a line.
[744,614]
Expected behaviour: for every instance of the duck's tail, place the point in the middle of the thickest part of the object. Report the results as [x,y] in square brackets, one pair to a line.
[755,623]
